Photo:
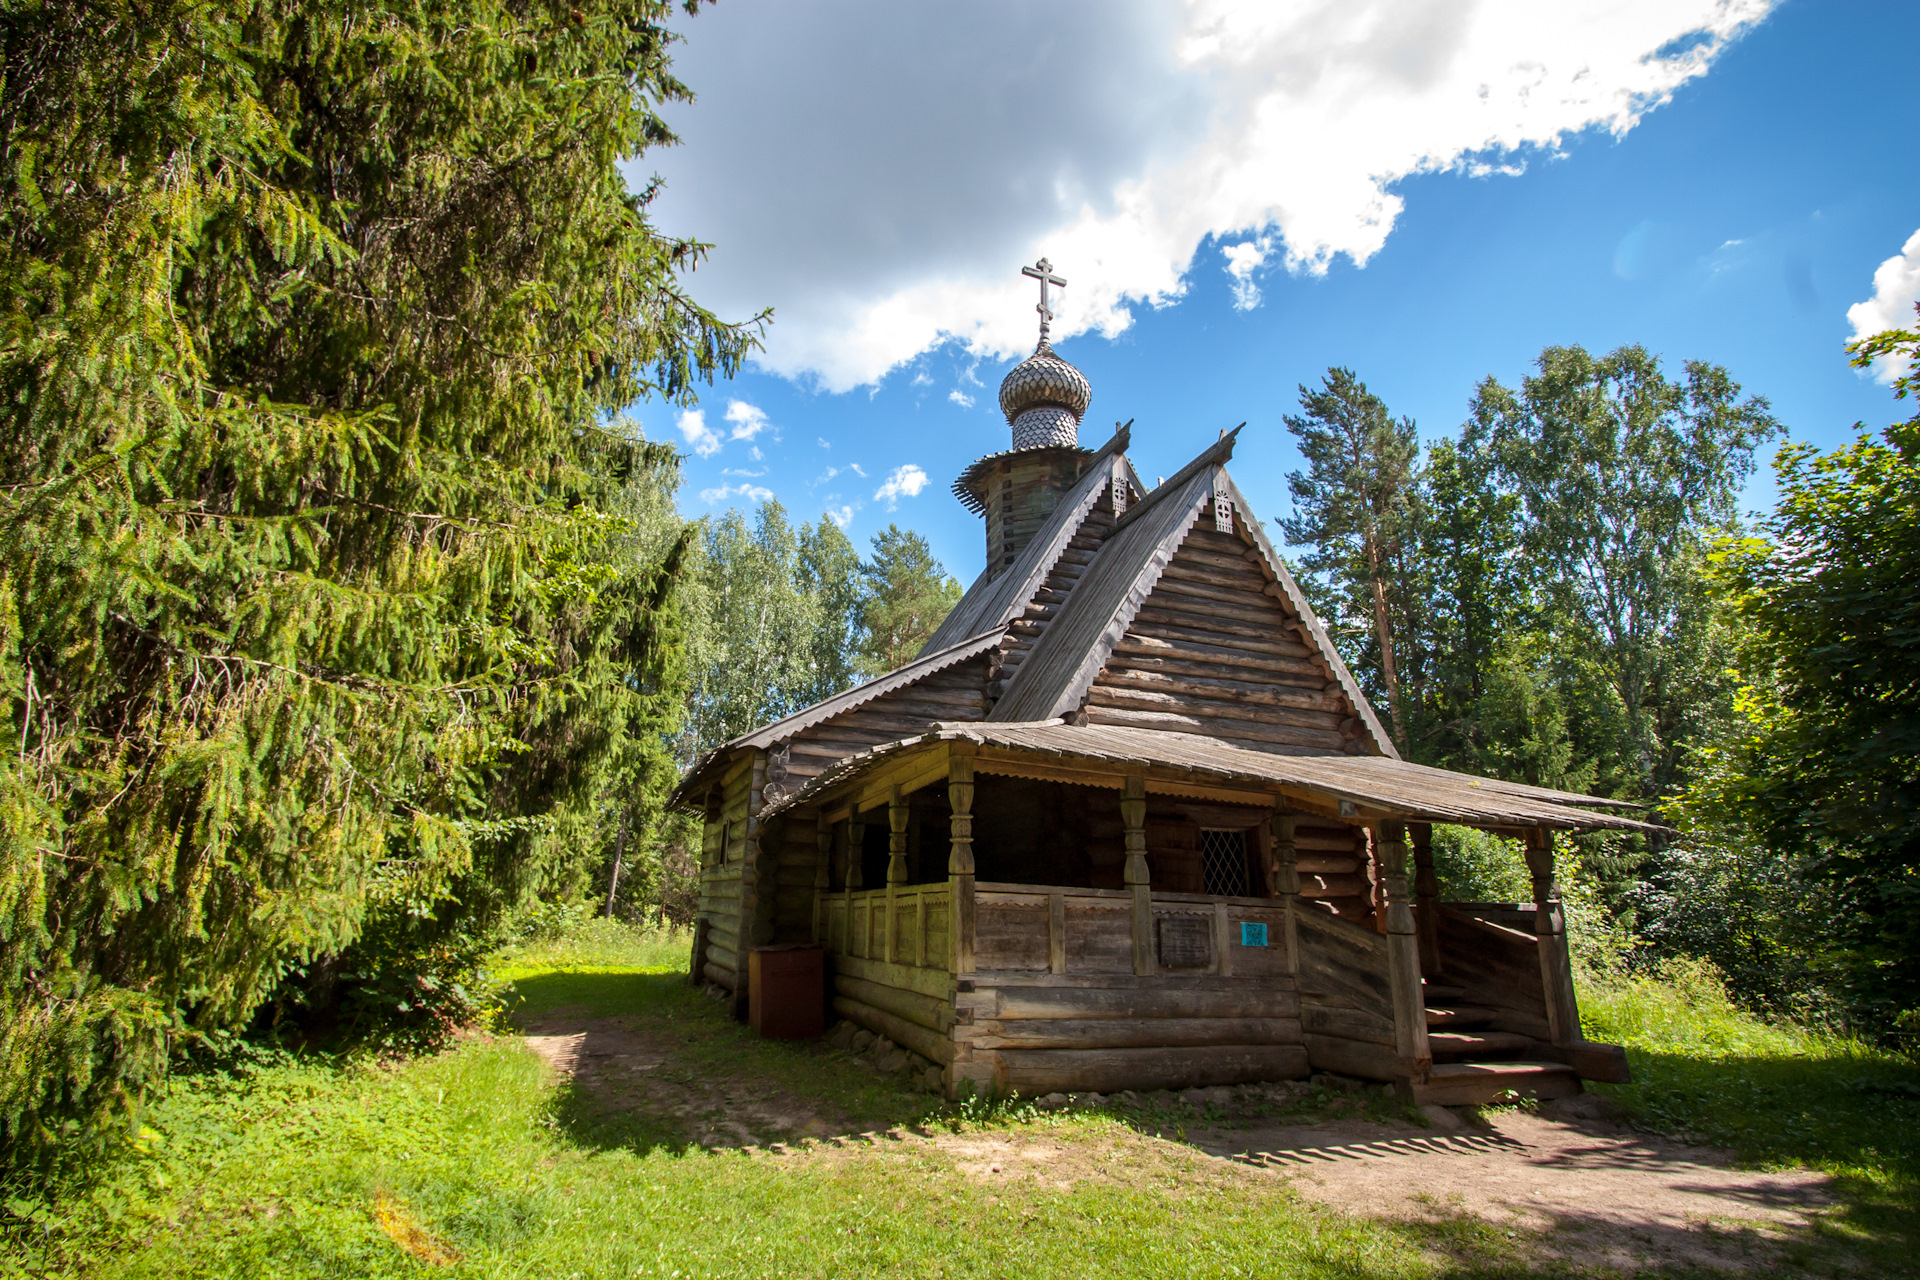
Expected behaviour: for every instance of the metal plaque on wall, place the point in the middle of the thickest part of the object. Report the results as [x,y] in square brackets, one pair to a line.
[1186,942]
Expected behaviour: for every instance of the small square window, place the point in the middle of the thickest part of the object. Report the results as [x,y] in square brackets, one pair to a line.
[1223,862]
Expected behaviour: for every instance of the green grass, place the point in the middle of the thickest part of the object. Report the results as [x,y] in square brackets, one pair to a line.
[476,1162]
[1776,1095]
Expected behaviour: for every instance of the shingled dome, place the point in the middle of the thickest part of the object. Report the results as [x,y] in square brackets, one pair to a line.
[1044,399]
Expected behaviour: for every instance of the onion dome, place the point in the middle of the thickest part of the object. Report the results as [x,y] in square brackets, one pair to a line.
[1044,399]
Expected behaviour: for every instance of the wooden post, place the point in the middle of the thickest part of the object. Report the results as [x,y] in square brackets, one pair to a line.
[1284,875]
[1549,925]
[1403,952]
[896,864]
[856,840]
[1426,890]
[960,855]
[822,875]
[1138,877]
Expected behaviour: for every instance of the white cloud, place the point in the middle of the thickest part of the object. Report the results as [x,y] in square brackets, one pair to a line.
[822,442]
[1896,287]
[842,516]
[701,438]
[754,454]
[1114,136]
[748,420]
[905,482]
[736,471]
[751,492]
[857,469]
[1243,260]
[961,398]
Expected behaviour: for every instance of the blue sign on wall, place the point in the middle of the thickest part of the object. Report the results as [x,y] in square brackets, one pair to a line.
[1252,935]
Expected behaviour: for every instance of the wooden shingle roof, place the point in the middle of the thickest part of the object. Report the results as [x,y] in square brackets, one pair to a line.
[1410,791]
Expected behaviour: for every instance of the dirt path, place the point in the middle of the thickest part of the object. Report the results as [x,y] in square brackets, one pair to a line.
[1588,1190]
[625,1064]
[1582,1188]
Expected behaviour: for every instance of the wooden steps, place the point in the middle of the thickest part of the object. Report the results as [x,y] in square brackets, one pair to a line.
[1478,1044]
[1474,1065]
[1467,1084]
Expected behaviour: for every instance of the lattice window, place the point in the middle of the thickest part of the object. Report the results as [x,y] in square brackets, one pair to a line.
[1223,862]
[1222,511]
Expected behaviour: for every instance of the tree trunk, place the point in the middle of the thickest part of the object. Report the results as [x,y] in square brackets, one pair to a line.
[1383,628]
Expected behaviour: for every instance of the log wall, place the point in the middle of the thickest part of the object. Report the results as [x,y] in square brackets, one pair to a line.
[955,694]
[1346,996]
[1056,1006]
[1213,650]
[722,858]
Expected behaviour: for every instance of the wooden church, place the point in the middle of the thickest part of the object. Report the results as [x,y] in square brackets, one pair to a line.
[1127,821]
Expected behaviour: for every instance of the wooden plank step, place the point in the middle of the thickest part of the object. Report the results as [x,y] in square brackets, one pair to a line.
[1458,1015]
[1470,1084]
[1459,1044]
[1434,993]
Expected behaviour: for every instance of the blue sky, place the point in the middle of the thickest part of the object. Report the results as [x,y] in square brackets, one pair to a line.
[1733,209]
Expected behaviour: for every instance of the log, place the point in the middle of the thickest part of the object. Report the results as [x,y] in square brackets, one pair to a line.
[1222,617]
[1327,885]
[1202,576]
[1192,554]
[1131,1033]
[921,1010]
[1155,677]
[1602,1063]
[1206,650]
[1324,864]
[928,1044]
[937,983]
[1217,705]
[726,977]
[1356,1058]
[1347,1024]
[1253,1001]
[1039,1071]
[1242,599]
[1212,728]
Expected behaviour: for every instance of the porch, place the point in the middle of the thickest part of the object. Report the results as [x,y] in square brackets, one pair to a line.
[1336,954]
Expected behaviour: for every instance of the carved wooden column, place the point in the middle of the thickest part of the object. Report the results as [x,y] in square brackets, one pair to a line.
[1403,951]
[822,876]
[856,841]
[1283,874]
[1138,876]
[1426,892]
[896,863]
[1549,925]
[960,856]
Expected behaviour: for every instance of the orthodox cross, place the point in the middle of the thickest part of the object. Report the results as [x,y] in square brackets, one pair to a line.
[1043,272]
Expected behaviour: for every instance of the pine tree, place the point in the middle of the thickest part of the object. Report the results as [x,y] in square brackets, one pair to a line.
[908,595]
[1355,506]
[316,315]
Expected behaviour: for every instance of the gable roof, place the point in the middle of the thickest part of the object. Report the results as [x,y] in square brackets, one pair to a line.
[899,678]
[994,602]
[1069,654]
[1068,657]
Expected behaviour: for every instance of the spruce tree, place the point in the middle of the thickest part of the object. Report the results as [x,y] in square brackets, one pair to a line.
[316,317]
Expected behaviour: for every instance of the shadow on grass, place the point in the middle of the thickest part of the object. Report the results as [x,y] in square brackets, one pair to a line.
[653,1063]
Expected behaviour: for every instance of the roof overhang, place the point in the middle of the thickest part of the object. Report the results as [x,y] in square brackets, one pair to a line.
[1354,788]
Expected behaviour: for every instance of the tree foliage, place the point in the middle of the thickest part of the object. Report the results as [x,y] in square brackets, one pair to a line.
[1355,507]
[1823,766]
[313,594]
[908,594]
